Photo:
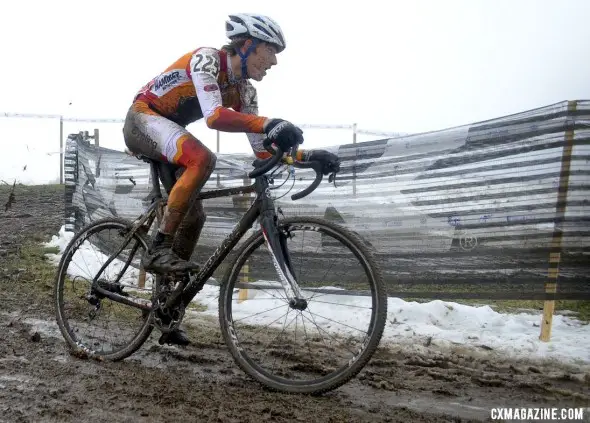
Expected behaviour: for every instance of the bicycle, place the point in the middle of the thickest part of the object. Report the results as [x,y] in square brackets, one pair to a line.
[165,305]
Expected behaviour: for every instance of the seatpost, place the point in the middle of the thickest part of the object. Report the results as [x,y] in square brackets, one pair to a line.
[155,179]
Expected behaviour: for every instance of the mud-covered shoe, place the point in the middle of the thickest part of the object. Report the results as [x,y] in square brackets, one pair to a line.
[176,337]
[164,260]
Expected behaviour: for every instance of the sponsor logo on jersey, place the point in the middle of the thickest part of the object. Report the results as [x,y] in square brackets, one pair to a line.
[166,80]
[211,87]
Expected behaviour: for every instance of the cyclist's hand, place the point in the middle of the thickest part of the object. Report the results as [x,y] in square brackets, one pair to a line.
[330,161]
[283,133]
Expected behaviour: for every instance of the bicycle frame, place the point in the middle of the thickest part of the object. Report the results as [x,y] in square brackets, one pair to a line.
[262,208]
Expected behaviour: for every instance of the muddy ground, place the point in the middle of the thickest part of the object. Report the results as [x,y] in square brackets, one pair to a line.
[41,382]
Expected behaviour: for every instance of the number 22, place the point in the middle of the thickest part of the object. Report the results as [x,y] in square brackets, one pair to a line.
[210,66]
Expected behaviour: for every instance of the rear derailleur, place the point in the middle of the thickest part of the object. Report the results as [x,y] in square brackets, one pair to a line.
[94,298]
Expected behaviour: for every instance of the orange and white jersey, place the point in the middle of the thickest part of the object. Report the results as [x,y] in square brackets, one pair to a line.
[200,84]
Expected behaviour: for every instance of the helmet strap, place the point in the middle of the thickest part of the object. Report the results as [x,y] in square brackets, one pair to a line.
[244,57]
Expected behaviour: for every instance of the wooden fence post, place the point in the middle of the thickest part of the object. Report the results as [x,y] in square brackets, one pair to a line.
[555,248]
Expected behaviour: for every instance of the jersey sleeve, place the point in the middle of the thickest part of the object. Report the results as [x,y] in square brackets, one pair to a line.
[204,69]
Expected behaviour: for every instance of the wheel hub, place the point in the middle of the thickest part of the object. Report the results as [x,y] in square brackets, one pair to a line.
[298,304]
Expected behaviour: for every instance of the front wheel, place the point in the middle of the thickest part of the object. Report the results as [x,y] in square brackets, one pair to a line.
[323,346]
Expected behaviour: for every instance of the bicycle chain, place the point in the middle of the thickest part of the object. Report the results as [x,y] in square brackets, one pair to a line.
[167,319]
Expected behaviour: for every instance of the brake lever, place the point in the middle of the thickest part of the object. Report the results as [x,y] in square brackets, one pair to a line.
[332,178]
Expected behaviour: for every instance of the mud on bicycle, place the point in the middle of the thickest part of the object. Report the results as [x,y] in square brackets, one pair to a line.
[299,273]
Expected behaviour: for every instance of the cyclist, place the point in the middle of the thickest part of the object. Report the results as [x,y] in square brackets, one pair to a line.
[211,84]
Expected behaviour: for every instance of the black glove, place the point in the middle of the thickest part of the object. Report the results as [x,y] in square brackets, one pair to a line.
[330,161]
[283,133]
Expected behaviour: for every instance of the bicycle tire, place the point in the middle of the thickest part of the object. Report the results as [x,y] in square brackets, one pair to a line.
[143,333]
[362,250]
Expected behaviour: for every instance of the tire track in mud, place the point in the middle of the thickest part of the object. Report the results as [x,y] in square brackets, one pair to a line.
[40,381]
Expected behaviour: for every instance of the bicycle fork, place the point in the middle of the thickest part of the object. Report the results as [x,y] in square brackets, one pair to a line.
[276,242]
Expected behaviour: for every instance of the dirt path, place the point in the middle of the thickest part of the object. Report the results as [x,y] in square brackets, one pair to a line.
[40,381]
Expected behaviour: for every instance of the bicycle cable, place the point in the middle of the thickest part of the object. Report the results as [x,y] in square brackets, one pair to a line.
[291,171]
[292,185]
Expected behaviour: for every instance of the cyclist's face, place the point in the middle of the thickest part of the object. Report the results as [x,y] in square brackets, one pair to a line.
[260,60]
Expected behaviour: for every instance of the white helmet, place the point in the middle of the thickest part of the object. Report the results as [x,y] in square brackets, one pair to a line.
[256,26]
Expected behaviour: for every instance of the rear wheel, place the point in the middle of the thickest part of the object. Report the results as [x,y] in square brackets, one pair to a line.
[92,324]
